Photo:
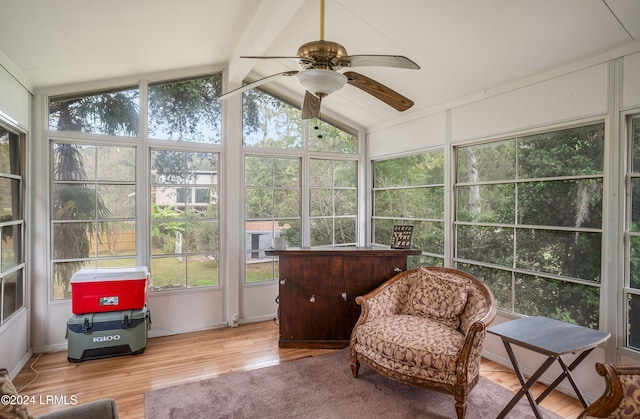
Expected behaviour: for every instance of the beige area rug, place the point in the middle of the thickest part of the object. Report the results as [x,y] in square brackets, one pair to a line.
[321,387]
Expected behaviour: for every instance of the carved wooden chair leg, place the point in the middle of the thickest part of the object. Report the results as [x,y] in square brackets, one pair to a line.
[461,407]
[355,367]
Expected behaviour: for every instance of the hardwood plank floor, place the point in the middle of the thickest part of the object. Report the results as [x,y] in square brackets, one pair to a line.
[190,357]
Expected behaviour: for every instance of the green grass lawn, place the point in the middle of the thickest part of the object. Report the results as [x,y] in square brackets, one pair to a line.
[173,273]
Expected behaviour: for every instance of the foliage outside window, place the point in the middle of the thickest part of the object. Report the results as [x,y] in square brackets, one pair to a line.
[326,137]
[12,263]
[272,209]
[333,202]
[186,110]
[93,209]
[632,286]
[93,187]
[184,219]
[529,221]
[270,122]
[410,191]
[333,186]
[111,112]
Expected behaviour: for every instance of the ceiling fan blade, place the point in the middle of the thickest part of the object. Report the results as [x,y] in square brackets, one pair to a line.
[380,91]
[302,60]
[310,106]
[397,61]
[256,84]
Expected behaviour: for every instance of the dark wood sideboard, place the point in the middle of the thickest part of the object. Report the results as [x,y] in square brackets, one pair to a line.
[318,287]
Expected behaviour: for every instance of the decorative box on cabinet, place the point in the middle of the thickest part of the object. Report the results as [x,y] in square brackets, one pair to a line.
[318,288]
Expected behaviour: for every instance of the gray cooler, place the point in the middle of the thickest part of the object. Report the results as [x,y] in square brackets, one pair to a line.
[102,335]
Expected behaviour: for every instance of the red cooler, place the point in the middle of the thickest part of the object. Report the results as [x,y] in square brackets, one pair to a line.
[109,289]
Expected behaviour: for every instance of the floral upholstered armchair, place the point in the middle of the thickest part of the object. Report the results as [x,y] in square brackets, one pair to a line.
[426,327]
[621,397]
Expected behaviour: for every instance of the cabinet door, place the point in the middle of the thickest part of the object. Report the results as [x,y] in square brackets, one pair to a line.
[311,308]
[317,294]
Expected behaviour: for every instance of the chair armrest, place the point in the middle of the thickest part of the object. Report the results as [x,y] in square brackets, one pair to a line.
[98,409]
[620,397]
[471,353]
[481,306]
[388,298]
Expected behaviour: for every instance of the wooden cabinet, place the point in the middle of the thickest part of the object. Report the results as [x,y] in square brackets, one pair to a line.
[318,288]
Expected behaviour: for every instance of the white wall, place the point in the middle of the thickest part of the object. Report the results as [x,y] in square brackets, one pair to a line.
[15,99]
[580,93]
[425,132]
[577,95]
[14,343]
[174,312]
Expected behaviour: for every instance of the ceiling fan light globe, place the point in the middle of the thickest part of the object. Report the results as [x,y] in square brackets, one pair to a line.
[321,82]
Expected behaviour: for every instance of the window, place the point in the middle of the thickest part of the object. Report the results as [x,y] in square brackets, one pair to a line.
[281,149]
[270,122]
[111,112]
[326,137]
[632,286]
[333,206]
[93,209]
[184,220]
[529,221]
[272,209]
[186,110]
[93,187]
[96,190]
[333,186]
[410,191]
[12,263]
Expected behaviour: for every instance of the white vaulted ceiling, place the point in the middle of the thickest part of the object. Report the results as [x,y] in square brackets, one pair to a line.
[464,47]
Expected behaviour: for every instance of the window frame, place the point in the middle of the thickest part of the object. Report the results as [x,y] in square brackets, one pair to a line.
[513,270]
[185,219]
[142,144]
[305,155]
[428,257]
[18,269]
[627,291]
[95,260]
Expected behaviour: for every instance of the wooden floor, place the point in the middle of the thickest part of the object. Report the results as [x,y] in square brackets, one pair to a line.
[189,357]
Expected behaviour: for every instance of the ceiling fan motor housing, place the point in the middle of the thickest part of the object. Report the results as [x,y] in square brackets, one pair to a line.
[321,54]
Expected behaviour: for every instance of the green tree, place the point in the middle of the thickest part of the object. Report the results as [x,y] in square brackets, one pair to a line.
[535,196]
[110,113]
[186,110]
[73,201]
[270,122]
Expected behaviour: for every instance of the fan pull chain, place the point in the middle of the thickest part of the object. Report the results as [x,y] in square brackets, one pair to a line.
[317,127]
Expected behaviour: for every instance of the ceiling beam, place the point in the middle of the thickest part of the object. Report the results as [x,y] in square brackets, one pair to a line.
[267,23]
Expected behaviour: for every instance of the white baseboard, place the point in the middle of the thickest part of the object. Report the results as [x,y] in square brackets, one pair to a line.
[50,348]
[23,361]
[156,332]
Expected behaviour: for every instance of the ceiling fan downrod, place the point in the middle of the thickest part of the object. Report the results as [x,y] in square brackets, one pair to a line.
[322,20]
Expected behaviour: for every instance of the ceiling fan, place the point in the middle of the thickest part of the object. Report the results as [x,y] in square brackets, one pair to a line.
[320,62]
